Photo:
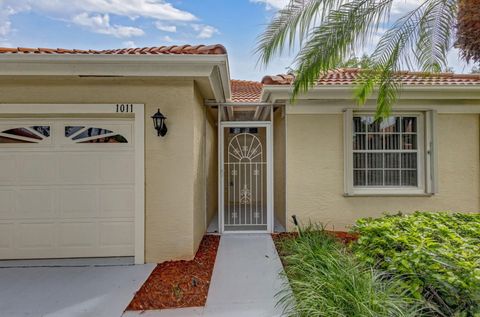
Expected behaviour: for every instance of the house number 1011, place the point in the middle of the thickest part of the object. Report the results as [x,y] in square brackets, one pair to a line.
[121,108]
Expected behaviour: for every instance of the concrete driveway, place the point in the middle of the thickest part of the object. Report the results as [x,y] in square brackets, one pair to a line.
[69,288]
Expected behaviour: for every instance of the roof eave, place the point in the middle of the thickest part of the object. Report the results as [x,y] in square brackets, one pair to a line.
[214,67]
[274,93]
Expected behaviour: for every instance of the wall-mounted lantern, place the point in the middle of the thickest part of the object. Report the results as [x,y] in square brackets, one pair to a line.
[159,123]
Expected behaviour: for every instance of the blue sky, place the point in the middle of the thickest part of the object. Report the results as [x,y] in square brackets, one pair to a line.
[100,24]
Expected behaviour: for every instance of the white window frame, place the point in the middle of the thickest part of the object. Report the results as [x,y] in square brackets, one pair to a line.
[426,162]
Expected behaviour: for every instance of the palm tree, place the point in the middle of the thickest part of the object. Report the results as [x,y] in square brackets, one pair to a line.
[328,32]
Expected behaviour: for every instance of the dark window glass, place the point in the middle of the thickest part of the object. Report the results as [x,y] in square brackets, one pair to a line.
[359,160]
[359,178]
[409,125]
[24,132]
[358,124]
[392,160]
[243,130]
[71,130]
[392,141]
[392,177]
[375,177]
[359,142]
[108,139]
[409,178]
[43,130]
[375,142]
[385,153]
[91,132]
[4,139]
[409,160]
[374,160]
[390,124]
[373,126]
[409,141]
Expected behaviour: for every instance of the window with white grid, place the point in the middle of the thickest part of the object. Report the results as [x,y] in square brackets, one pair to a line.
[387,153]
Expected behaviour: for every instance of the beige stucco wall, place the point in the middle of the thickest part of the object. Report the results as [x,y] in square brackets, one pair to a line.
[315,172]
[211,167]
[199,169]
[279,166]
[174,174]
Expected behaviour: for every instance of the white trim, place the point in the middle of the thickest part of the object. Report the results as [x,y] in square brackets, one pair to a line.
[301,109]
[431,152]
[270,179]
[113,58]
[328,106]
[139,110]
[220,141]
[390,193]
[348,153]
[139,122]
[286,172]
[60,108]
[221,181]
[276,93]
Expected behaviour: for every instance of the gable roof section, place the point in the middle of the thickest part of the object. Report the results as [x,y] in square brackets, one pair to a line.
[216,49]
[246,91]
[350,76]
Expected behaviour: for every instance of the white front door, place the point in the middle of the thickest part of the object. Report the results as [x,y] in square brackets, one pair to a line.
[67,188]
[246,177]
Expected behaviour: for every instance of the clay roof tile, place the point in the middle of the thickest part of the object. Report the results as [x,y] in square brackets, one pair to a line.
[174,49]
[246,91]
[350,76]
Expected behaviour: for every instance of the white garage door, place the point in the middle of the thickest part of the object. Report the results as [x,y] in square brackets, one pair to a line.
[66,188]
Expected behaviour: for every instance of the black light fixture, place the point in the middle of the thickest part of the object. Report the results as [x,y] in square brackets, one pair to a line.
[159,123]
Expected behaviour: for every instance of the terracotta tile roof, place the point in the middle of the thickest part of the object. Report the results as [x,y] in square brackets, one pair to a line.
[246,91]
[348,76]
[174,49]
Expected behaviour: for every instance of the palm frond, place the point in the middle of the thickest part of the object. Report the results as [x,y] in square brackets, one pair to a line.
[435,35]
[400,37]
[334,40]
[420,38]
[291,24]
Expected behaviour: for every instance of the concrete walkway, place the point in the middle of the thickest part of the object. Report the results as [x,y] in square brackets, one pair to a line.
[244,283]
[68,288]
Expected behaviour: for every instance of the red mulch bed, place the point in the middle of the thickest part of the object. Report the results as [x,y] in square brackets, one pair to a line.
[343,236]
[176,284]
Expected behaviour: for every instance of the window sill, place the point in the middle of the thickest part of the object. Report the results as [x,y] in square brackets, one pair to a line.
[388,193]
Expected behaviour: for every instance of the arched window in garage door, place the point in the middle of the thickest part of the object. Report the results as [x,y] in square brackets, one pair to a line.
[30,134]
[81,134]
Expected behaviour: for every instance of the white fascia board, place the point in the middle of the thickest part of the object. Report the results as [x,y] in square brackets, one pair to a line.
[224,70]
[213,58]
[336,106]
[272,93]
[213,67]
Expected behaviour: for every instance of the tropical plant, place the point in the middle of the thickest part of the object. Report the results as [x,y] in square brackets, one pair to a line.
[363,62]
[327,32]
[326,280]
[436,254]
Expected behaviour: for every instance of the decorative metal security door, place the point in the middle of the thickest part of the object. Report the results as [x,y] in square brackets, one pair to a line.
[246,179]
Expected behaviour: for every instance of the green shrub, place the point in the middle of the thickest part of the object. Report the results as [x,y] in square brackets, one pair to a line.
[326,280]
[436,254]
